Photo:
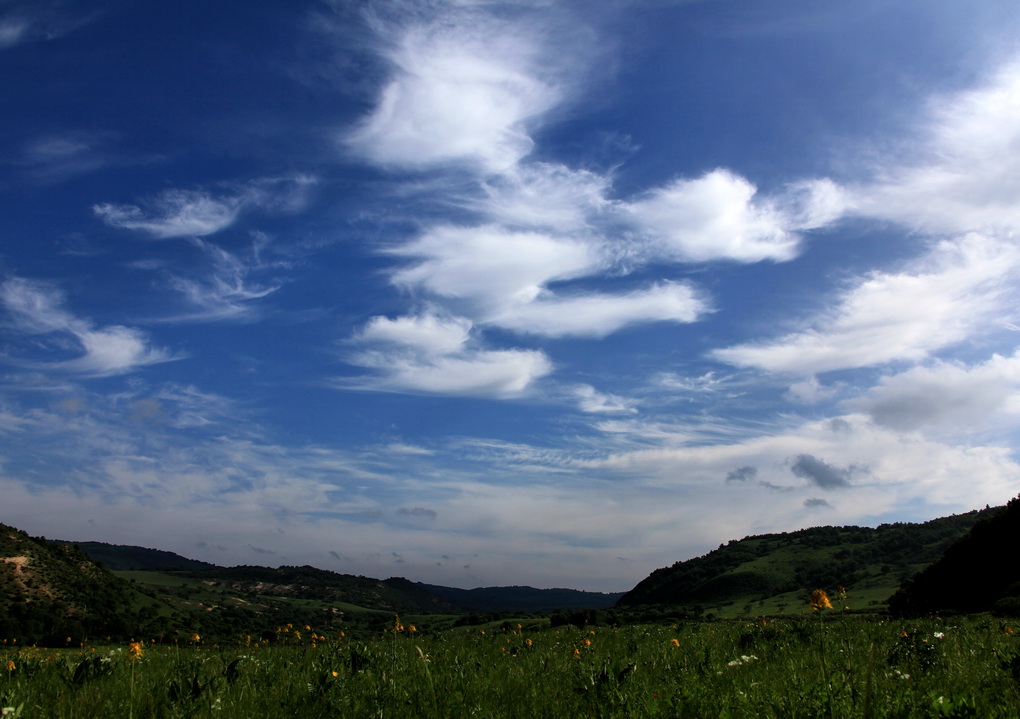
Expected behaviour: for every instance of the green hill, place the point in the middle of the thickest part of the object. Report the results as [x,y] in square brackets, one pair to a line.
[772,573]
[391,595]
[978,573]
[52,593]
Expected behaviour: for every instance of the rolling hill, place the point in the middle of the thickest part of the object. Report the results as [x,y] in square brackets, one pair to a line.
[773,573]
[56,593]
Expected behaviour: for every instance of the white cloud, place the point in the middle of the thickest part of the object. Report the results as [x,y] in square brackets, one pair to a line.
[37,308]
[966,174]
[226,292]
[956,290]
[809,391]
[429,333]
[591,400]
[195,213]
[597,315]
[891,472]
[463,88]
[491,268]
[544,195]
[947,396]
[175,213]
[497,374]
[718,216]
[433,354]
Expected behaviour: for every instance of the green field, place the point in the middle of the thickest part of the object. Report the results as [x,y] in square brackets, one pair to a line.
[827,665]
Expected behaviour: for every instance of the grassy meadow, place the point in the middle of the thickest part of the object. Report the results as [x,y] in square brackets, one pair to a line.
[822,664]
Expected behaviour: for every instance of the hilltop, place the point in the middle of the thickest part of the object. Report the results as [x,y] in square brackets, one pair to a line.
[772,573]
[55,592]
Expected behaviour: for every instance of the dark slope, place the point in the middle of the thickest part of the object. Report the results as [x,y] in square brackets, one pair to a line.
[523,599]
[123,557]
[978,573]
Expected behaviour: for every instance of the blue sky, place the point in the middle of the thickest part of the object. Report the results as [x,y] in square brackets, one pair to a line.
[478,293]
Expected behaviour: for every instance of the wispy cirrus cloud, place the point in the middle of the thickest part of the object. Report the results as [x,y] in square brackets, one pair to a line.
[38,308]
[959,288]
[227,291]
[60,156]
[22,22]
[962,174]
[199,213]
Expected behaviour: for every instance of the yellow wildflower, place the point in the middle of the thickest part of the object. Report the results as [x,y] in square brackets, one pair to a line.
[412,628]
[10,665]
[528,642]
[195,638]
[820,600]
[577,653]
[675,642]
[135,649]
[587,642]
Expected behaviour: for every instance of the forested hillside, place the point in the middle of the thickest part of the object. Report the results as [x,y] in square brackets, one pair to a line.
[978,573]
[55,592]
[872,562]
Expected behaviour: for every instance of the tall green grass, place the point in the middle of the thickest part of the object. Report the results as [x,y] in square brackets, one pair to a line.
[819,666]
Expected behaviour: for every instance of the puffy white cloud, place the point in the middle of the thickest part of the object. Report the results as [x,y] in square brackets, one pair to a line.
[491,268]
[463,88]
[718,217]
[37,308]
[497,374]
[429,333]
[600,314]
[434,354]
[956,290]
[947,396]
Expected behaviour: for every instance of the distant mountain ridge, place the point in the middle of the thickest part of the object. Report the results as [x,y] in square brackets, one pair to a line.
[395,593]
[55,592]
[524,599]
[122,557]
